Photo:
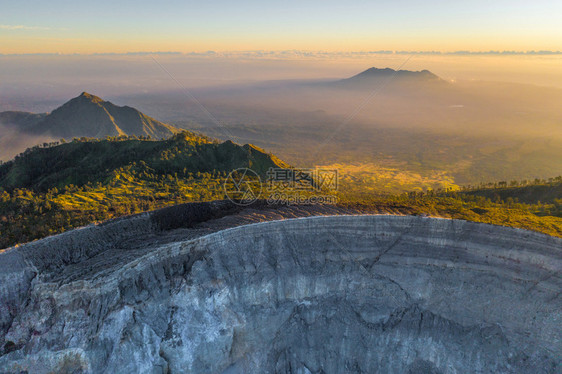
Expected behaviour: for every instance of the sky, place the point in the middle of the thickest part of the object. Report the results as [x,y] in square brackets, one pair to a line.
[70,26]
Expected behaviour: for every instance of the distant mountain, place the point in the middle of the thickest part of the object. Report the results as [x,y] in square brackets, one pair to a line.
[399,74]
[374,76]
[89,116]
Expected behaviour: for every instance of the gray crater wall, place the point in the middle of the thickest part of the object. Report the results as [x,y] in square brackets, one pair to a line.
[358,294]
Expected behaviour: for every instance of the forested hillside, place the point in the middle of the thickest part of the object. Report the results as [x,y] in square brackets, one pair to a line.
[56,187]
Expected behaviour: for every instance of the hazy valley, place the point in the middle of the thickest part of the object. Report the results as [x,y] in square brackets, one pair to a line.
[394,131]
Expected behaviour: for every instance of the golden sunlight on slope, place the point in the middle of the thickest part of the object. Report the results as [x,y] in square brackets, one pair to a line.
[372,177]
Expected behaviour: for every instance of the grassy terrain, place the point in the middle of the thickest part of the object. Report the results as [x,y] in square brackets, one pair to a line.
[371,178]
[473,208]
[52,189]
[538,192]
[26,215]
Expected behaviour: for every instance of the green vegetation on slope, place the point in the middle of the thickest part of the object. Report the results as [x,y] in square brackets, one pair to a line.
[95,161]
[529,192]
[543,218]
[534,205]
[50,189]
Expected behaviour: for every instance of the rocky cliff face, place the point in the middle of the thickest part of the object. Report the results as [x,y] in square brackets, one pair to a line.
[335,294]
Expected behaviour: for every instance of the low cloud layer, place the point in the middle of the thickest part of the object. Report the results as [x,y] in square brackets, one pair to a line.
[13,142]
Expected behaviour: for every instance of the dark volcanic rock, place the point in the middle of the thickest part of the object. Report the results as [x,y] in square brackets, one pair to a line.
[335,294]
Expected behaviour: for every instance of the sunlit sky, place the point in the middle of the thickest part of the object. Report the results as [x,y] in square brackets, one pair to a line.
[70,26]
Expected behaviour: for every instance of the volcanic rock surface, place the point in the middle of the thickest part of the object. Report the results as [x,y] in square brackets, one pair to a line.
[195,288]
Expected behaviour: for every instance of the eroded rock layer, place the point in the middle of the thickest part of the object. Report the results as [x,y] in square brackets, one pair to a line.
[333,294]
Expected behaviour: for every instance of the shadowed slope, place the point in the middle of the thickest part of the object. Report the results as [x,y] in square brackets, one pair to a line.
[82,162]
[90,116]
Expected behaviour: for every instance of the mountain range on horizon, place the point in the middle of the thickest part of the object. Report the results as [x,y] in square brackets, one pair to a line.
[373,76]
[418,123]
[88,115]
[388,72]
